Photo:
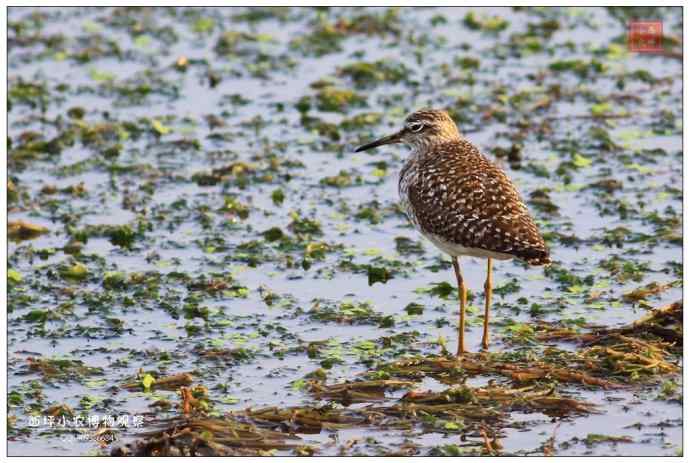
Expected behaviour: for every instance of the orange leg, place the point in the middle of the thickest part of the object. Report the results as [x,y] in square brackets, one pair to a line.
[462,295]
[487,304]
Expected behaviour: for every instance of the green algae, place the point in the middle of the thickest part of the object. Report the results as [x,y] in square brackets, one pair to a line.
[365,74]
[226,191]
[348,312]
[333,99]
[486,23]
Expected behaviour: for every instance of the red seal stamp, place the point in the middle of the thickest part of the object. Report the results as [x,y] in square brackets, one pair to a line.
[645,36]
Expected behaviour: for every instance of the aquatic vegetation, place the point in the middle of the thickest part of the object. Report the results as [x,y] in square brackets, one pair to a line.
[485,22]
[20,230]
[348,312]
[334,99]
[194,243]
[365,74]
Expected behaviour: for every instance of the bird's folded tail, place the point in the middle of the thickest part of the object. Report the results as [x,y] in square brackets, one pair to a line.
[540,260]
[533,255]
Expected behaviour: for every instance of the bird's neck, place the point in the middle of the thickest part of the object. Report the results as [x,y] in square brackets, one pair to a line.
[429,146]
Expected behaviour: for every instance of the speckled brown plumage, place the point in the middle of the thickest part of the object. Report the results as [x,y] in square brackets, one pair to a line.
[452,192]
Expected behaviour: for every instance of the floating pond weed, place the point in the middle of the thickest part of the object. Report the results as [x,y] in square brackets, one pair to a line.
[193,243]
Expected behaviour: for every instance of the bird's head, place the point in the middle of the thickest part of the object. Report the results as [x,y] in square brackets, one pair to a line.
[422,128]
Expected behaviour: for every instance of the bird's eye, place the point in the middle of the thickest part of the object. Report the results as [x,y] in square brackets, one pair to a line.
[416,126]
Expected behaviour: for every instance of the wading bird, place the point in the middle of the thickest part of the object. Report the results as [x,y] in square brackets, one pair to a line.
[462,202]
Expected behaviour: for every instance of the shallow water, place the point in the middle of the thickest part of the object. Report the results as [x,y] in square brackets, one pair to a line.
[187,230]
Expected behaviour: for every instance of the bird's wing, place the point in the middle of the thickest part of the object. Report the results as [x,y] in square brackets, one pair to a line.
[469,201]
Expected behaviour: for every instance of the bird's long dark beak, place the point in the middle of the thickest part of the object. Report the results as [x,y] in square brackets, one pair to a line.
[394,138]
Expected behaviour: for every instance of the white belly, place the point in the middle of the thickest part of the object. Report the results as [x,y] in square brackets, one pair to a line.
[455,250]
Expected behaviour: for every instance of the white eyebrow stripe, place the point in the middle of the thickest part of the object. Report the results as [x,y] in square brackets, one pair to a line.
[415,126]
